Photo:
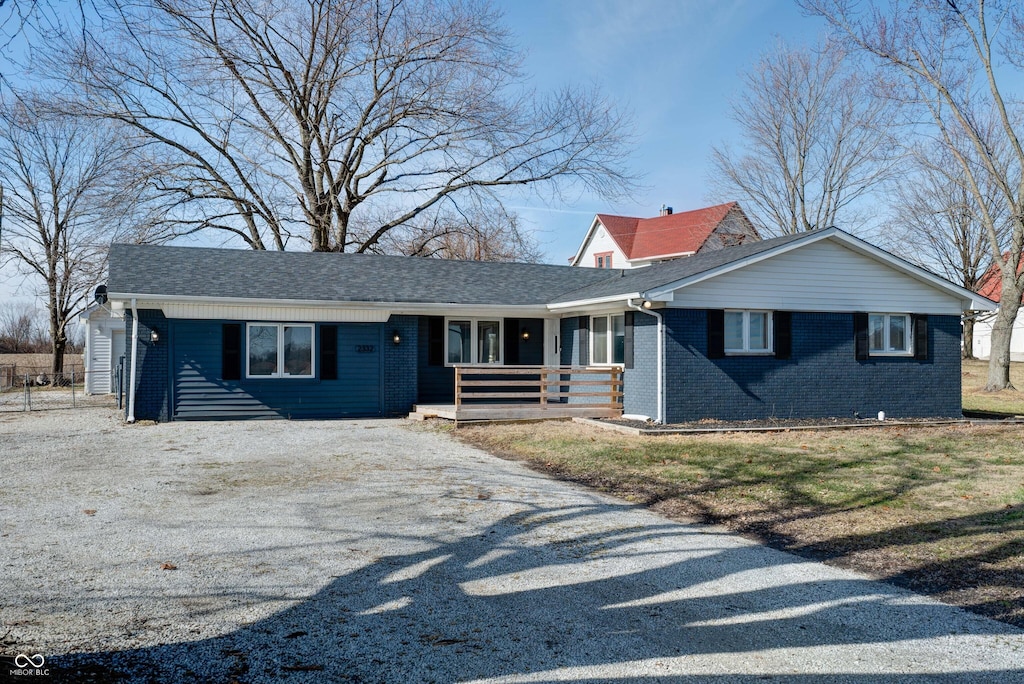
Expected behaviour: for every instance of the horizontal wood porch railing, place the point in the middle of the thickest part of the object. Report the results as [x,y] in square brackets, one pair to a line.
[509,392]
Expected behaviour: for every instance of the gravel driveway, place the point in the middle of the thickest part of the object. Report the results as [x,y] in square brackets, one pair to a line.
[375,551]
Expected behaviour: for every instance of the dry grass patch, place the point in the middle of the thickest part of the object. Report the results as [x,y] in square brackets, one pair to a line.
[975,398]
[938,510]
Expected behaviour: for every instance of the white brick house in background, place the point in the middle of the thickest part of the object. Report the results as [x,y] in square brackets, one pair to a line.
[631,242]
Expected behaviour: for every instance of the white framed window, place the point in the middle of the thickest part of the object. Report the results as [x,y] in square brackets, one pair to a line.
[279,350]
[607,339]
[473,340]
[889,334]
[748,332]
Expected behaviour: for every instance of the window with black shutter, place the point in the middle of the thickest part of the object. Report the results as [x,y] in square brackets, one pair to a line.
[920,337]
[435,341]
[328,352]
[782,322]
[716,333]
[860,336]
[231,351]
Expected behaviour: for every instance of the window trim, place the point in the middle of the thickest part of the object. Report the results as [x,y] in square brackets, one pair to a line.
[280,374]
[908,334]
[474,340]
[607,256]
[610,343]
[769,334]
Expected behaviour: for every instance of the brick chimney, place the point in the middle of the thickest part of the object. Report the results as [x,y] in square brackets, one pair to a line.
[665,211]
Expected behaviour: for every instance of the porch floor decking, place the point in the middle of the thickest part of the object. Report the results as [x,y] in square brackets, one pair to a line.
[507,412]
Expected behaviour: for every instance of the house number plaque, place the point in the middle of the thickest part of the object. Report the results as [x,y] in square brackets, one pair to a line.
[365,348]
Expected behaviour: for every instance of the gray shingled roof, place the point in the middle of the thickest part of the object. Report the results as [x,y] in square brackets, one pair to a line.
[205,272]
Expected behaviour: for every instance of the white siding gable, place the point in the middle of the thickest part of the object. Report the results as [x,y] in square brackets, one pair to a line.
[821,276]
[601,242]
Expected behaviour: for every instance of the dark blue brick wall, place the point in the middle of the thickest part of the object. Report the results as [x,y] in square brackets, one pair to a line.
[152,382]
[822,379]
[400,361]
[640,383]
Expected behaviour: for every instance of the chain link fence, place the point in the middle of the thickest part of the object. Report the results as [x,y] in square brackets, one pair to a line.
[34,388]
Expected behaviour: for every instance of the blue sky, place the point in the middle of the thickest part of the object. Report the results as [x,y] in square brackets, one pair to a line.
[674,64]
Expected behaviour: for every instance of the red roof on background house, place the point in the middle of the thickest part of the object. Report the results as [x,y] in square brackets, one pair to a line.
[642,238]
[992,282]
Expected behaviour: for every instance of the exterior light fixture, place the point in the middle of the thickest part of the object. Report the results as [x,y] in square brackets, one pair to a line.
[526,335]
[396,337]
[154,336]
[648,303]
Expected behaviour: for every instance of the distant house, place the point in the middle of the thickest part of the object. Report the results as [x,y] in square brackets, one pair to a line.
[992,288]
[630,242]
[812,325]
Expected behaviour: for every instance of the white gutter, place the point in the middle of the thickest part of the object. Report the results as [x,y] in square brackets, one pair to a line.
[580,303]
[661,356]
[135,358]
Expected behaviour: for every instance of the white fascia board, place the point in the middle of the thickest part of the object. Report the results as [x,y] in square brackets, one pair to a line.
[586,241]
[595,302]
[412,308]
[970,300]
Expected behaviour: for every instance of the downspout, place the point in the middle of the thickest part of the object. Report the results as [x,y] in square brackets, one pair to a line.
[661,356]
[135,357]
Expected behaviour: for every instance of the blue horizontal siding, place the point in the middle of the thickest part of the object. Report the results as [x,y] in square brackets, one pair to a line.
[199,392]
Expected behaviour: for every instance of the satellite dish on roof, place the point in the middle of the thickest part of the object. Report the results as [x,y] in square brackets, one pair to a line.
[100,295]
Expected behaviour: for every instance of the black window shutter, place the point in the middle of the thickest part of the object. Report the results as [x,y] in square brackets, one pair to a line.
[860,336]
[231,351]
[716,333]
[920,322]
[435,341]
[584,340]
[627,341]
[511,341]
[782,322]
[328,352]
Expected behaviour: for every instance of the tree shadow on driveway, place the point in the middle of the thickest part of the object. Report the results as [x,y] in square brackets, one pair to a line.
[531,598]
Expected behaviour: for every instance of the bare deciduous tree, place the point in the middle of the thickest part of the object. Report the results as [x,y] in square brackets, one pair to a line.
[938,223]
[68,192]
[20,331]
[307,118]
[480,232]
[946,58]
[812,144]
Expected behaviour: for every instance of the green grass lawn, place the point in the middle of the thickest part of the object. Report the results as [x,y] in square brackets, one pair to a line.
[939,510]
[975,398]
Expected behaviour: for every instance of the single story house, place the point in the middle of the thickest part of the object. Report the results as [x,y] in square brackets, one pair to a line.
[104,344]
[630,242]
[817,324]
[992,288]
